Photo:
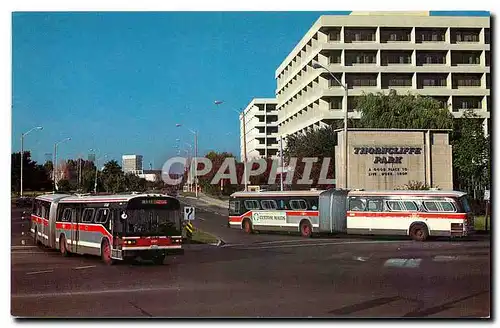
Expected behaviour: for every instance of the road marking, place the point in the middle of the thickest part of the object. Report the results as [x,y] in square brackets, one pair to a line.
[97,292]
[201,219]
[85,267]
[37,272]
[404,263]
[325,244]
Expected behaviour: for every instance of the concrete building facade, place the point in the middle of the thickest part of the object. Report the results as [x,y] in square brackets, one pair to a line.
[387,159]
[439,54]
[261,129]
[132,164]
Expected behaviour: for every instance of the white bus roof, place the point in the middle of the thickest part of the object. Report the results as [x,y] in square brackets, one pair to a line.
[277,193]
[96,199]
[443,193]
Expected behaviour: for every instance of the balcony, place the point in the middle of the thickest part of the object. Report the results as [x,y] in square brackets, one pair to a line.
[395,57]
[443,101]
[466,81]
[431,80]
[431,58]
[394,35]
[395,81]
[464,35]
[333,34]
[355,80]
[353,58]
[465,58]
[464,103]
[424,35]
[359,34]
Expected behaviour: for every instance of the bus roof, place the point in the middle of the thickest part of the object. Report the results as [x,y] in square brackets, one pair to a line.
[443,193]
[277,193]
[108,198]
[52,197]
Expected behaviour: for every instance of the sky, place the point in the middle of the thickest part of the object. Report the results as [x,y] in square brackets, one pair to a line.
[120,82]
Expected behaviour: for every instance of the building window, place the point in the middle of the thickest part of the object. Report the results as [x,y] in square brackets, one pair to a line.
[336,103]
[487,80]
[487,35]
[467,37]
[432,58]
[364,59]
[487,58]
[468,82]
[359,34]
[397,58]
[335,58]
[364,82]
[430,35]
[399,82]
[395,34]
[334,35]
[433,82]
[466,58]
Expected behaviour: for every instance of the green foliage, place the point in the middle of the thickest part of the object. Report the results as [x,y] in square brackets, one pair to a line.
[402,112]
[35,176]
[414,185]
[471,153]
[64,185]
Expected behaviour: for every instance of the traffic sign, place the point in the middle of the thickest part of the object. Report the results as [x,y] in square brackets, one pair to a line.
[189,213]
[487,195]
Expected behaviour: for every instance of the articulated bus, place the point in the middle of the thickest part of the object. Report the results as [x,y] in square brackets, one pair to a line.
[418,214]
[115,227]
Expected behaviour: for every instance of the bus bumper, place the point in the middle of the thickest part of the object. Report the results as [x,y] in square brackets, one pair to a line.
[145,253]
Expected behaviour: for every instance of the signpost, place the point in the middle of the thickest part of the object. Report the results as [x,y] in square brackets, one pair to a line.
[487,199]
[189,215]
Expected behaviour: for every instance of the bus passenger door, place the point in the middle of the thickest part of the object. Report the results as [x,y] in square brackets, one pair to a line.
[75,230]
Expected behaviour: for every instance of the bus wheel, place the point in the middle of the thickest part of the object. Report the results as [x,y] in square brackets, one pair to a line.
[106,253]
[305,229]
[247,226]
[63,247]
[419,232]
[159,259]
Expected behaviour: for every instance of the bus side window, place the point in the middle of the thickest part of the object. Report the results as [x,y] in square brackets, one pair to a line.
[357,204]
[447,206]
[66,217]
[374,205]
[102,216]
[38,209]
[298,204]
[410,206]
[430,206]
[88,215]
[252,205]
[268,204]
[395,205]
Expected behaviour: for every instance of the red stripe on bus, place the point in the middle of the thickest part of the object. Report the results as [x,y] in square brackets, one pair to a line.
[302,213]
[408,215]
[39,219]
[235,219]
[83,227]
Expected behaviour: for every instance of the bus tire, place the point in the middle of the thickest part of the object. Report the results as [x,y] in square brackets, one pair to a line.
[419,232]
[63,247]
[106,252]
[305,229]
[159,259]
[247,226]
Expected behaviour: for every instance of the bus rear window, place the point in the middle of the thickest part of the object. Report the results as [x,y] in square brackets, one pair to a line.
[465,204]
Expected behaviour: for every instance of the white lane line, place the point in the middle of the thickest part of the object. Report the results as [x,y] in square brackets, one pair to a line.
[85,267]
[404,263]
[37,272]
[201,219]
[325,244]
[97,292]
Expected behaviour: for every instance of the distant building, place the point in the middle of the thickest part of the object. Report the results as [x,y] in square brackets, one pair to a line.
[132,164]
[150,175]
[261,129]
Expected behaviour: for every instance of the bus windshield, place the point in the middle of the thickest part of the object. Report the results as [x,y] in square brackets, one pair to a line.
[148,222]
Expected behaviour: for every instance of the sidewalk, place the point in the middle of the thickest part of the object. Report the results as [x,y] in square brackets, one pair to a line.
[210,200]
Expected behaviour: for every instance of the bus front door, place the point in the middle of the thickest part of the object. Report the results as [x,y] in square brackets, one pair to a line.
[75,230]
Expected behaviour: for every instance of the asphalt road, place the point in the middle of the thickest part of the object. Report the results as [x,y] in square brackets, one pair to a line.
[260,276]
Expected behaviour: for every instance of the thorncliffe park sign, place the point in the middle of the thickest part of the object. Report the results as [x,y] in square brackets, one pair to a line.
[388,151]
[386,159]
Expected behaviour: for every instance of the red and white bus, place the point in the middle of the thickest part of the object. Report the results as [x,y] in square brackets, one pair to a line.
[418,214]
[115,227]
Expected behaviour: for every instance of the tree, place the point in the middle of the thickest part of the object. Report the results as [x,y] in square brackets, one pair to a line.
[64,185]
[35,177]
[471,153]
[402,112]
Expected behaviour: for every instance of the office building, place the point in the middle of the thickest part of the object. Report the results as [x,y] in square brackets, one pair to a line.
[261,129]
[444,55]
[132,164]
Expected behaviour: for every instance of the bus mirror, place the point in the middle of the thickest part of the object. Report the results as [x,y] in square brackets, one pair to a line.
[123,216]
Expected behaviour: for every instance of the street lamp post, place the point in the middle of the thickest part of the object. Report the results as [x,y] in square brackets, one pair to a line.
[195,156]
[54,165]
[96,169]
[318,65]
[242,115]
[22,154]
